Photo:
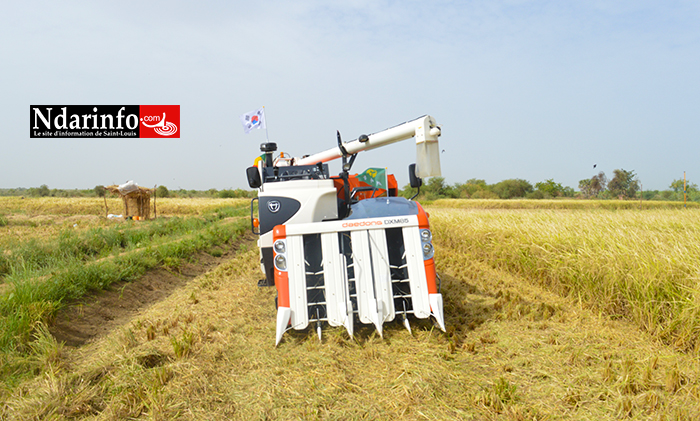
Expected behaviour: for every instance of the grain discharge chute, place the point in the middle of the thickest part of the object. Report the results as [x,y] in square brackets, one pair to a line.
[345,248]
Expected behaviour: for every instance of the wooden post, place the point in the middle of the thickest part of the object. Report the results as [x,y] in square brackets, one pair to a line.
[154,202]
[684,193]
[106,208]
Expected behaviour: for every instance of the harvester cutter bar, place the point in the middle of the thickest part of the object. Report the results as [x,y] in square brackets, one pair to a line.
[360,269]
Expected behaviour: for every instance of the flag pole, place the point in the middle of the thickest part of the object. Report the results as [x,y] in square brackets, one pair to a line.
[386,179]
[267,138]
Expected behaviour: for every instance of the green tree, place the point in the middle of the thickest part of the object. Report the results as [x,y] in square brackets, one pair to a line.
[623,184]
[43,191]
[550,188]
[677,186]
[238,193]
[162,191]
[435,188]
[471,188]
[585,187]
[100,191]
[512,188]
[598,183]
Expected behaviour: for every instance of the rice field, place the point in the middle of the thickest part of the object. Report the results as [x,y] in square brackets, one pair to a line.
[48,264]
[53,206]
[634,265]
[562,204]
[551,314]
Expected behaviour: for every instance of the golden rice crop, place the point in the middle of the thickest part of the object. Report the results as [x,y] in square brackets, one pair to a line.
[559,204]
[96,205]
[514,349]
[57,205]
[512,352]
[640,265]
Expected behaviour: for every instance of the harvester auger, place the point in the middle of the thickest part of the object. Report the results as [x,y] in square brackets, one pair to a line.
[339,249]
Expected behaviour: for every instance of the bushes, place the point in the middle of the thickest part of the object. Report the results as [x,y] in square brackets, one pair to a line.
[512,188]
[436,188]
[236,194]
[42,191]
[100,191]
[162,191]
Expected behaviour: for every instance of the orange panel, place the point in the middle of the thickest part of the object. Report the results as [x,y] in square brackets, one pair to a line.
[281,278]
[431,276]
[354,182]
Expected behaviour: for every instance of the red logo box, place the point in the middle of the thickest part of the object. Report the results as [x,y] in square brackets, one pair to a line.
[159,121]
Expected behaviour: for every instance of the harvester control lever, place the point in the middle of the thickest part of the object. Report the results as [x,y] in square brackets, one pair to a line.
[361,189]
[343,151]
[319,173]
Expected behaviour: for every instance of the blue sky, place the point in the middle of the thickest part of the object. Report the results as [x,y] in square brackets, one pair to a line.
[522,89]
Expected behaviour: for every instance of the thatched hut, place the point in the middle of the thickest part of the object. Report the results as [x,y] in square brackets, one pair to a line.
[137,200]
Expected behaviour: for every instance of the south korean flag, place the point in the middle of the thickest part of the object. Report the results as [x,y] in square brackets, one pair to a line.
[253,120]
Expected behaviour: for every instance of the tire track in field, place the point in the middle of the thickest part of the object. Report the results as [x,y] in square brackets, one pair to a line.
[97,314]
[6,287]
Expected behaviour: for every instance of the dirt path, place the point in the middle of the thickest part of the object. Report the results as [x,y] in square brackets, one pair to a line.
[97,314]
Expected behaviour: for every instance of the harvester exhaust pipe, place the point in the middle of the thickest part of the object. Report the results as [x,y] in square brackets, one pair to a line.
[269,149]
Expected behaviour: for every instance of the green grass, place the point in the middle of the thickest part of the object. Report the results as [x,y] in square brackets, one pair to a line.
[44,276]
[69,246]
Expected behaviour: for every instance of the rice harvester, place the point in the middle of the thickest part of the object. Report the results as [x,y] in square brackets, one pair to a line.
[345,248]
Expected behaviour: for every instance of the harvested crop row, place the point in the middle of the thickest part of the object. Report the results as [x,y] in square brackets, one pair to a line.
[513,351]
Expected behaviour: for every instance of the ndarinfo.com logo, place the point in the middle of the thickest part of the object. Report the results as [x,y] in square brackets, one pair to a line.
[136,121]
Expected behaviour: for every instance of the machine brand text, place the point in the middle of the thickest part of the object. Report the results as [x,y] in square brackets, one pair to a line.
[144,121]
[361,224]
[375,223]
[396,221]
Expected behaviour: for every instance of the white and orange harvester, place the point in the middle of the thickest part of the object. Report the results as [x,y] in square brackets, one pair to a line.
[337,252]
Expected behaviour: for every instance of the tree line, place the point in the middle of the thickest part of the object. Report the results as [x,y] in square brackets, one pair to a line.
[100,191]
[623,185]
